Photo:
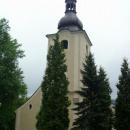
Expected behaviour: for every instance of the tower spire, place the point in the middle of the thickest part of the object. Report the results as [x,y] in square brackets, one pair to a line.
[70,21]
[70,6]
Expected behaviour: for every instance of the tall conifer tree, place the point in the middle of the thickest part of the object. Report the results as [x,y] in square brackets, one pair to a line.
[53,114]
[94,112]
[86,108]
[103,103]
[122,114]
[12,88]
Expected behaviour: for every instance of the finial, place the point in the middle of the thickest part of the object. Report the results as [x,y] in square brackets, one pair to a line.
[70,6]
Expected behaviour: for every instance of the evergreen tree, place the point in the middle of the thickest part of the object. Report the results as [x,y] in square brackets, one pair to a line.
[53,114]
[103,103]
[94,112]
[86,109]
[122,113]
[12,87]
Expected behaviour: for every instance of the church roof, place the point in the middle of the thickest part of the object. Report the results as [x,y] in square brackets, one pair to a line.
[70,21]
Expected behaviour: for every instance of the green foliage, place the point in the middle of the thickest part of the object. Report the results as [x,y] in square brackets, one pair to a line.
[85,109]
[53,114]
[12,86]
[122,114]
[103,107]
[93,111]
[22,98]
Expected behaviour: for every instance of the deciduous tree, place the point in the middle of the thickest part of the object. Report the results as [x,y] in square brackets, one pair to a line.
[12,87]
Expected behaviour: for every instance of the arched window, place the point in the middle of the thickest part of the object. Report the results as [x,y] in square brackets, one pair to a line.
[68,6]
[30,106]
[72,7]
[65,44]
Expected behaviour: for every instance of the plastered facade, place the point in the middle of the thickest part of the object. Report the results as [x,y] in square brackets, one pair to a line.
[78,41]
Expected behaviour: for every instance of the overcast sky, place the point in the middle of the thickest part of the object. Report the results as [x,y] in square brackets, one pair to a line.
[107,23]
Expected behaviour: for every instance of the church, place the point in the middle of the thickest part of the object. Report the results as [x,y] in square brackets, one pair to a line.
[75,41]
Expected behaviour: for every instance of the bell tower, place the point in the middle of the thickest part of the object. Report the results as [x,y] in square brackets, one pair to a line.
[75,41]
[77,45]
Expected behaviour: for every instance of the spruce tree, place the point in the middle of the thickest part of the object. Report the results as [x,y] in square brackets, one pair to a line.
[12,87]
[103,103]
[93,112]
[85,109]
[53,114]
[122,109]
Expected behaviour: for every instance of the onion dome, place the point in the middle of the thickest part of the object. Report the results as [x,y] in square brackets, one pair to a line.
[70,21]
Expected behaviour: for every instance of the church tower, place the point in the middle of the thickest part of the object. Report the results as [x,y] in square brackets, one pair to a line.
[75,41]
